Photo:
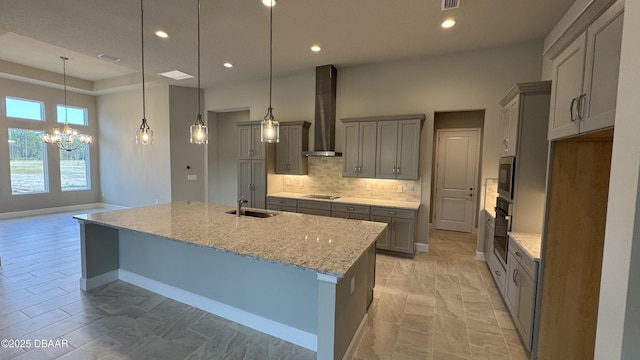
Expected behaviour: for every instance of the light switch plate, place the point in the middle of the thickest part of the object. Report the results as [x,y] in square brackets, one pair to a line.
[368,187]
[400,189]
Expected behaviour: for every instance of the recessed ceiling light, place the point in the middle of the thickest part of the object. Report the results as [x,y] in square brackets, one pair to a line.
[228,65]
[109,58]
[162,34]
[176,75]
[269,2]
[316,48]
[448,23]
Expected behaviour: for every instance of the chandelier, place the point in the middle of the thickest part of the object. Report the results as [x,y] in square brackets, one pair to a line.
[68,138]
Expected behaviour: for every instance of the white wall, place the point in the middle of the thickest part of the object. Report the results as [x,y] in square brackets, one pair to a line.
[619,310]
[463,81]
[51,98]
[131,174]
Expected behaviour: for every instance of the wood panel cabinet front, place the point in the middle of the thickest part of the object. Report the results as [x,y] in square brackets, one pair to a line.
[294,139]
[359,152]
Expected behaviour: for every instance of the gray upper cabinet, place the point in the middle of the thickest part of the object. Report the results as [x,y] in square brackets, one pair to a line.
[249,144]
[398,149]
[384,147]
[585,78]
[294,139]
[359,152]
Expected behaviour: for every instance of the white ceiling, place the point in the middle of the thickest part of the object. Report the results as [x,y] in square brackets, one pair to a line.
[351,32]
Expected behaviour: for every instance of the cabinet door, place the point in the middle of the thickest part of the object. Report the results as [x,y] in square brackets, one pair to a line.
[402,233]
[604,40]
[384,242]
[498,272]
[350,150]
[257,146]
[294,149]
[408,149]
[513,115]
[244,179]
[513,290]
[488,238]
[504,139]
[259,184]
[568,69]
[526,307]
[244,142]
[367,149]
[387,149]
[282,151]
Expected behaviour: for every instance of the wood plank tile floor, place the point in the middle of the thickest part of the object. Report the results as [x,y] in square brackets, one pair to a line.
[441,305]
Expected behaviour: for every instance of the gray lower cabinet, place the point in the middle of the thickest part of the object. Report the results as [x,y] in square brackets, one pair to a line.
[498,271]
[521,290]
[282,204]
[349,211]
[401,229]
[252,182]
[311,207]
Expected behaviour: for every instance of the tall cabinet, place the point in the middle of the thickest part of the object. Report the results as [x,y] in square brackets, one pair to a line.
[252,171]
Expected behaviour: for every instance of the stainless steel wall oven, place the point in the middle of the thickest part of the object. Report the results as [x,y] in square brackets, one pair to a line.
[502,227]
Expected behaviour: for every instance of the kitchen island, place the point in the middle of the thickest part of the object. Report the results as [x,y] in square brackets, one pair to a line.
[303,278]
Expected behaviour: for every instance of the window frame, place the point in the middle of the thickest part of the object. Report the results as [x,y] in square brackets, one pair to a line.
[45,166]
[85,112]
[42,109]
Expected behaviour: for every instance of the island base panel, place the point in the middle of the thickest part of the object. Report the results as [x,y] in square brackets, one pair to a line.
[100,259]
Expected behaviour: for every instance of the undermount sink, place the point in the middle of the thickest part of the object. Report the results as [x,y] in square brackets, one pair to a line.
[322,197]
[257,214]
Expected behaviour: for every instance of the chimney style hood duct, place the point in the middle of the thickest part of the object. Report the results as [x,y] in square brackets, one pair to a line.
[325,120]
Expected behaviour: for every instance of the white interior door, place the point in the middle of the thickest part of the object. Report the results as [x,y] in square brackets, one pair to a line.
[456,178]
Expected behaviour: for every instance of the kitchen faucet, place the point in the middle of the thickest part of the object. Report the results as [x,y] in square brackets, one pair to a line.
[241,201]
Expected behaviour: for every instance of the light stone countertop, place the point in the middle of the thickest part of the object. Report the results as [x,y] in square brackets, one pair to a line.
[352,200]
[321,244]
[529,243]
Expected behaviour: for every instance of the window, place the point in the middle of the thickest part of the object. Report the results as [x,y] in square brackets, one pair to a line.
[24,109]
[72,115]
[74,169]
[27,155]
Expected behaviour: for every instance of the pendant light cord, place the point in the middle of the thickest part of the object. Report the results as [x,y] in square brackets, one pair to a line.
[270,52]
[64,80]
[199,113]
[144,116]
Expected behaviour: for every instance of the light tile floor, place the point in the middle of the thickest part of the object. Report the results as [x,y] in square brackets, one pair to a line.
[441,305]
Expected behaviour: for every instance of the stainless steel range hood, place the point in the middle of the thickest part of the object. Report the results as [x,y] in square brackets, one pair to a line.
[325,120]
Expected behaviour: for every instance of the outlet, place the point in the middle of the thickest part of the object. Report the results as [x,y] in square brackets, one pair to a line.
[368,187]
[400,188]
[353,284]
[157,201]
[192,177]
[301,182]
[286,181]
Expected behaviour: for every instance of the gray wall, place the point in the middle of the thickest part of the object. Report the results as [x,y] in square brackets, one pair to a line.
[462,81]
[183,107]
[223,156]
[51,97]
[131,174]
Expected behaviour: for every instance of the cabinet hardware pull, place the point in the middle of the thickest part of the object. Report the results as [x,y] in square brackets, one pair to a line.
[351,208]
[398,170]
[513,276]
[394,170]
[497,273]
[518,254]
[581,99]
[392,212]
[571,112]
[355,168]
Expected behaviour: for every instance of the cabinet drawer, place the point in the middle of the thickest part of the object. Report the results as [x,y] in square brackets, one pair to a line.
[319,212]
[310,204]
[518,254]
[281,201]
[346,215]
[281,208]
[349,208]
[393,212]
[498,272]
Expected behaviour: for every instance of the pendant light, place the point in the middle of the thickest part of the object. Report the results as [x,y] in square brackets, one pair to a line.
[144,134]
[269,127]
[68,138]
[199,131]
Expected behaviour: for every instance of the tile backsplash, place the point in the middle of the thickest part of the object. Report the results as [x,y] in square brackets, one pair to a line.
[325,177]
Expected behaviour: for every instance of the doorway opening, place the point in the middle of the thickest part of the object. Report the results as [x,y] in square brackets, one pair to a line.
[455,173]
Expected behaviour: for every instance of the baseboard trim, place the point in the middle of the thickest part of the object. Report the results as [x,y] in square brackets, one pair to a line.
[355,341]
[420,247]
[96,281]
[480,256]
[267,326]
[59,209]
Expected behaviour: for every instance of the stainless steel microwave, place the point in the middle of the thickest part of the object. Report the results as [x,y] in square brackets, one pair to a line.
[506,173]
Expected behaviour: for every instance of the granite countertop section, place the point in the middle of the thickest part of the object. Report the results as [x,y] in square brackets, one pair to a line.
[491,211]
[529,243]
[353,200]
[321,244]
